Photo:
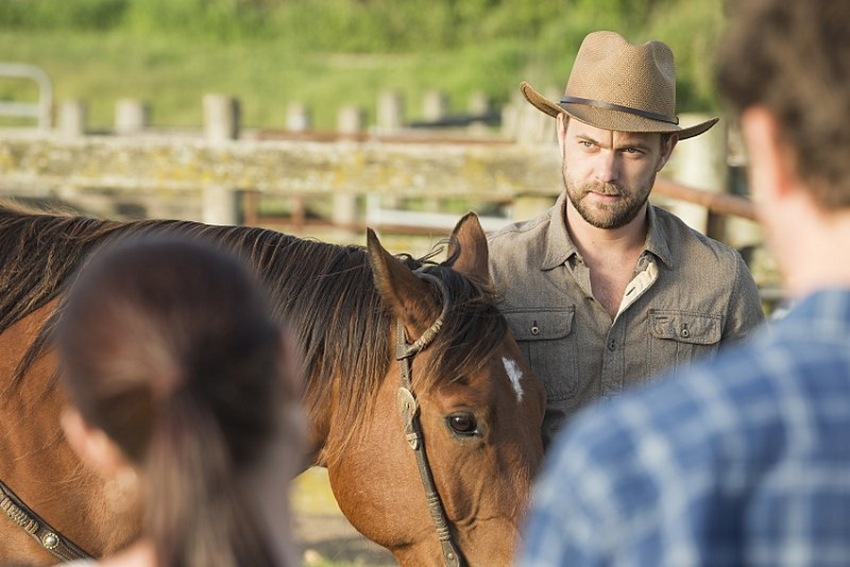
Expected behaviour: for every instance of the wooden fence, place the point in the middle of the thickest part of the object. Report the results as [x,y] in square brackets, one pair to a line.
[360,174]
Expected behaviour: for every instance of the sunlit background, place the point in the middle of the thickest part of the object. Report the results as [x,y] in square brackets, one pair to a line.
[294,68]
[326,53]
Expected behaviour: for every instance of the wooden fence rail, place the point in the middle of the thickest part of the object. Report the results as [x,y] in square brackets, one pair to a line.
[221,173]
[39,166]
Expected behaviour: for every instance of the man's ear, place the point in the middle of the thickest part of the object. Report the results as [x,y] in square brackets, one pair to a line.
[91,444]
[561,122]
[772,164]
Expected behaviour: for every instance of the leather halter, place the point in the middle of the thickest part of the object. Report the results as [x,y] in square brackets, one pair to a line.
[409,408]
[50,539]
[66,550]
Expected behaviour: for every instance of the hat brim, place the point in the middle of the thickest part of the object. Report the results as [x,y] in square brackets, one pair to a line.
[607,119]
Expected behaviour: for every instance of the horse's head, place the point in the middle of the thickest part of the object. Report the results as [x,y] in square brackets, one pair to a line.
[478,410]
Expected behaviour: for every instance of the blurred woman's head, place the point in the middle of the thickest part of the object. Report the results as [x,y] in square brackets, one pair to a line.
[168,348]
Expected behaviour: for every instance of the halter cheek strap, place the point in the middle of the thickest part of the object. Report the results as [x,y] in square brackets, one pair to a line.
[50,539]
[409,408]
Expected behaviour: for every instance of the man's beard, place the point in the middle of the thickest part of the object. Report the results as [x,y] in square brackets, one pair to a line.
[614,215]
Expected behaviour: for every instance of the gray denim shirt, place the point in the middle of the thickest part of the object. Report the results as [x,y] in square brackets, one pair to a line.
[688,295]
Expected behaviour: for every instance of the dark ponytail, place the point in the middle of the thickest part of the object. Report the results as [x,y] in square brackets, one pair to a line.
[197,511]
[169,347]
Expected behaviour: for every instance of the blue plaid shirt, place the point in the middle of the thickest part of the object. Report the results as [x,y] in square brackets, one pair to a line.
[742,460]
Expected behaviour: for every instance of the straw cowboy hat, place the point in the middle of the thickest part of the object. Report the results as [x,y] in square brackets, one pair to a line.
[615,85]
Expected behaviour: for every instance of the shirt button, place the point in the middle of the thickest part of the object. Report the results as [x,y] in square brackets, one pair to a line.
[685,332]
[535,330]
[612,346]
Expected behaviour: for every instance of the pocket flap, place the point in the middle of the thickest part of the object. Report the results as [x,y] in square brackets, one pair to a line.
[685,327]
[540,325]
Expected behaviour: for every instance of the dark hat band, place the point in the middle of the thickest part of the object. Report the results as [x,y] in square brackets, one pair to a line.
[611,106]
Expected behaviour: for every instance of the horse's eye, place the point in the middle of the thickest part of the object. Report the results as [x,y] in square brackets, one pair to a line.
[463,424]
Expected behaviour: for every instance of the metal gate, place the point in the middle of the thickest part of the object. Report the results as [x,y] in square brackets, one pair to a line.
[41,110]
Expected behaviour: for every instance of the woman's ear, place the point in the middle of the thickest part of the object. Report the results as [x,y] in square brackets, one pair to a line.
[91,444]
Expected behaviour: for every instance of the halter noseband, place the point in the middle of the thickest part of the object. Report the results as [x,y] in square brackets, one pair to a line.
[409,408]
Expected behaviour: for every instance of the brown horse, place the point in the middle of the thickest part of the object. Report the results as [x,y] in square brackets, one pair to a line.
[478,408]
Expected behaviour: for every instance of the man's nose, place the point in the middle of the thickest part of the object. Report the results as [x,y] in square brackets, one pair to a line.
[606,168]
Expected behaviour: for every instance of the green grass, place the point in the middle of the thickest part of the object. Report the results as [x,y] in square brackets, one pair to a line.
[312,493]
[329,53]
[267,72]
[173,75]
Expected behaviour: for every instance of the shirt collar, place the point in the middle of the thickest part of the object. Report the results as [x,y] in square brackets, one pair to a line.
[657,241]
[560,247]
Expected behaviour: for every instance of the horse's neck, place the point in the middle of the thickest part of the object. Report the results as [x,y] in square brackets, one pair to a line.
[30,405]
[35,461]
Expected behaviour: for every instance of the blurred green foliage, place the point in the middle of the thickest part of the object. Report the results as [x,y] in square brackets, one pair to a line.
[353,26]
[458,45]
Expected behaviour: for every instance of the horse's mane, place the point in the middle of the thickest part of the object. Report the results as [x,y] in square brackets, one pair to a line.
[324,294]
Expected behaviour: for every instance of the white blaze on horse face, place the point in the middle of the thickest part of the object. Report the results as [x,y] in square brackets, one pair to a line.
[515,375]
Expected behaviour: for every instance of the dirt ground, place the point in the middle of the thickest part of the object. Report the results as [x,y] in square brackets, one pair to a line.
[331,539]
[325,536]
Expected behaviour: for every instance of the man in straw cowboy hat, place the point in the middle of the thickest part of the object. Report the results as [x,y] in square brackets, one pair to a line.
[604,289]
[743,459]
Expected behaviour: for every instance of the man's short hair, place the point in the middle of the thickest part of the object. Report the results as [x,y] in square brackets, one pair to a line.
[793,58]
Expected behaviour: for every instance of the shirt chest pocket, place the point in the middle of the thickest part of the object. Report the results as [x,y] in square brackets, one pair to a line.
[547,339]
[677,338]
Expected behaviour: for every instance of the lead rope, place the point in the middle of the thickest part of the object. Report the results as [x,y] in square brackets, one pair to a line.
[413,431]
[50,539]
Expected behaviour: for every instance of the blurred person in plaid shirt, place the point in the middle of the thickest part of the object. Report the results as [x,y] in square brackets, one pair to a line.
[743,459]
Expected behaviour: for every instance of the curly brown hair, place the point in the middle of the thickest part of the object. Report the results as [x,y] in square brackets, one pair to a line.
[793,58]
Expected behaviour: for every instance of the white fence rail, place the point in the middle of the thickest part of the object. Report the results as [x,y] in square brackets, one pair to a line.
[40,110]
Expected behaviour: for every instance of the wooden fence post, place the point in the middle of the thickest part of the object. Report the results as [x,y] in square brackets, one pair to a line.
[527,125]
[351,121]
[132,116]
[73,115]
[298,118]
[740,232]
[700,162]
[479,105]
[390,111]
[346,208]
[220,205]
[221,125]
[435,106]
[221,118]
[390,119]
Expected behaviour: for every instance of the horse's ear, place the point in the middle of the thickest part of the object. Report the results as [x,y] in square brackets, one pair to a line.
[470,243]
[407,295]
